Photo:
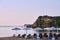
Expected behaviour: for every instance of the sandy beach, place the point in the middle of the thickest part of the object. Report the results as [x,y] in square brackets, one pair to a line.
[16,38]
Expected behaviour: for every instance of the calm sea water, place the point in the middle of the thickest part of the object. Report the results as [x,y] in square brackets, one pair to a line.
[7,31]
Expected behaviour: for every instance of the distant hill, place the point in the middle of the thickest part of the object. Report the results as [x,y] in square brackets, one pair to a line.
[47,21]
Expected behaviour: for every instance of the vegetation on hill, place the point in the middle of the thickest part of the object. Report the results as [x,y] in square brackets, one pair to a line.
[47,21]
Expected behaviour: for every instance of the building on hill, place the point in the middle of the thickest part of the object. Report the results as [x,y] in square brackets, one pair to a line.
[28,25]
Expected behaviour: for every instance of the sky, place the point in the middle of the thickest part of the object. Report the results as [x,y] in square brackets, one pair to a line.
[20,12]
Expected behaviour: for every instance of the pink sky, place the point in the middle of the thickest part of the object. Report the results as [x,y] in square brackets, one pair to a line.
[19,12]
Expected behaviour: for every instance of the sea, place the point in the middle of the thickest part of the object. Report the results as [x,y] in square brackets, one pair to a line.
[8,32]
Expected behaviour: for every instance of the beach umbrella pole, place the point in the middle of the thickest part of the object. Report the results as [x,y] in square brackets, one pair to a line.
[26,33]
[15,33]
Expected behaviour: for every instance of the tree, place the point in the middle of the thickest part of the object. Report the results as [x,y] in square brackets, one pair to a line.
[40,23]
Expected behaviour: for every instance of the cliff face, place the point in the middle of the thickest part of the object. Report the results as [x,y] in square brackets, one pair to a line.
[47,21]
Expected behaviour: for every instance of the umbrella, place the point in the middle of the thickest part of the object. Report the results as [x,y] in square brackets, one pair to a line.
[16,29]
[58,29]
[51,28]
[46,28]
[27,29]
[38,28]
